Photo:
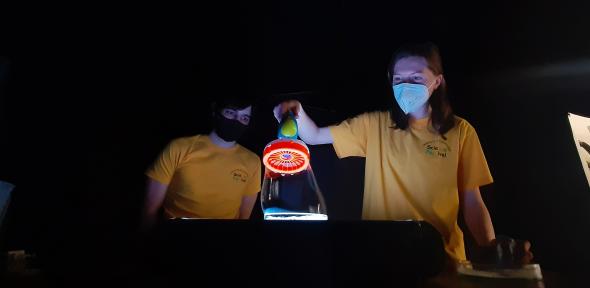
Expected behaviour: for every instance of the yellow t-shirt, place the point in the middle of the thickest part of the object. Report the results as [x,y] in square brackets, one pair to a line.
[205,180]
[414,173]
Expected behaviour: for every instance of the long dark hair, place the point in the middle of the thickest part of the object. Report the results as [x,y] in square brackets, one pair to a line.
[442,116]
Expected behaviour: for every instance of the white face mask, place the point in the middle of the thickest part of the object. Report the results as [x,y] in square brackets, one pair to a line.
[410,96]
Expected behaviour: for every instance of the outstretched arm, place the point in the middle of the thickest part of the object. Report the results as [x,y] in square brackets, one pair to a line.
[309,132]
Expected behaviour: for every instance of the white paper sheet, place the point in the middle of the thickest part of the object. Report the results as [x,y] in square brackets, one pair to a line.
[581,131]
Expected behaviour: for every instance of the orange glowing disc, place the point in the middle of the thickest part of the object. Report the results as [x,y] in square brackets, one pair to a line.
[286,156]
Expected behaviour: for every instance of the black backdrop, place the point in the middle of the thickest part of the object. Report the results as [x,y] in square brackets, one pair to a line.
[91,94]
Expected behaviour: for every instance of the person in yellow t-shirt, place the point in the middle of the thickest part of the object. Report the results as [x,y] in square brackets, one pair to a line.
[422,161]
[206,176]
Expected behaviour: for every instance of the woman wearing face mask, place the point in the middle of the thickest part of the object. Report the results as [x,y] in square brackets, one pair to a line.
[422,161]
[206,176]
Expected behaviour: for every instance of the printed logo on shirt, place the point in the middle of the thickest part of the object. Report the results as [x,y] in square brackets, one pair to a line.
[437,149]
[239,175]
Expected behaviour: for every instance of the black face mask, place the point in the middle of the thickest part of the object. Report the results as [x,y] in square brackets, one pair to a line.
[228,129]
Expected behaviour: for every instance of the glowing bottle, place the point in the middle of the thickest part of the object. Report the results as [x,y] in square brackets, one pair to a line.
[289,189]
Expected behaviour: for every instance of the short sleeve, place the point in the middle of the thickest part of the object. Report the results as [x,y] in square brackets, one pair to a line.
[473,167]
[254,184]
[350,136]
[164,166]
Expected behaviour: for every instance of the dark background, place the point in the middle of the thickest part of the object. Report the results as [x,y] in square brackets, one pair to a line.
[91,94]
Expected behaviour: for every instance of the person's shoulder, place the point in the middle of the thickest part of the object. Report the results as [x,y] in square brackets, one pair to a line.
[379,113]
[463,125]
[248,155]
[375,113]
[374,116]
[381,117]
[188,142]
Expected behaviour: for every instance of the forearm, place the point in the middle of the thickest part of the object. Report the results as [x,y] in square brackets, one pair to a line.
[247,206]
[155,195]
[308,130]
[148,220]
[478,220]
[149,215]
[245,213]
